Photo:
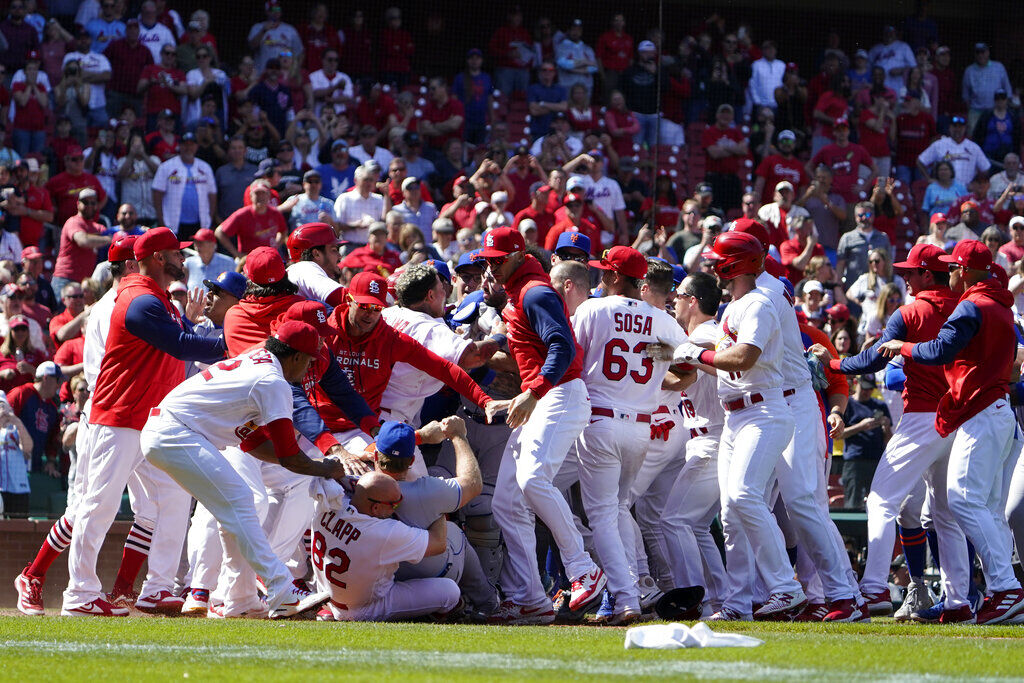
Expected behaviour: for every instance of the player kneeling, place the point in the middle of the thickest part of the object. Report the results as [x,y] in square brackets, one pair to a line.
[357,547]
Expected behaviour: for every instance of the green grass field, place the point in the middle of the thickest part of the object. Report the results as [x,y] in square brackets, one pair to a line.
[53,648]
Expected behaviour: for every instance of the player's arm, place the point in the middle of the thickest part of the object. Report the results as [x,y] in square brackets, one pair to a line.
[352,405]
[678,379]
[954,335]
[869,360]
[476,354]
[467,471]
[437,537]
[286,451]
[546,313]
[408,350]
[148,320]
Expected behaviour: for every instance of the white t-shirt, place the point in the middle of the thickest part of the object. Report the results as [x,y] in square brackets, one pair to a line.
[381,155]
[341,83]
[356,555]
[794,365]
[751,319]
[313,282]
[155,38]
[92,63]
[96,336]
[607,196]
[613,332]
[408,386]
[966,157]
[701,407]
[230,399]
[351,208]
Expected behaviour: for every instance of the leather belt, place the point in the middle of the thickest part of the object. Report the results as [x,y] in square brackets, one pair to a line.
[698,431]
[788,392]
[742,402]
[607,412]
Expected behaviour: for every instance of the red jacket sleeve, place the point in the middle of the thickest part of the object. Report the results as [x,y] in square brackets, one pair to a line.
[410,351]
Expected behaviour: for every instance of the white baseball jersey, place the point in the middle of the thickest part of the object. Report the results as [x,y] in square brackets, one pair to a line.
[701,407]
[313,282]
[613,332]
[355,555]
[408,386]
[96,336]
[751,319]
[230,399]
[794,366]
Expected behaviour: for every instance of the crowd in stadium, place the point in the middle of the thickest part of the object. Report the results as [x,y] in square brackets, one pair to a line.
[120,117]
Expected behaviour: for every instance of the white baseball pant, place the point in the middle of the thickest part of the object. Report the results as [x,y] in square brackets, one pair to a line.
[405,600]
[801,485]
[114,455]
[611,451]
[1015,494]
[753,439]
[206,474]
[459,563]
[532,458]
[980,468]
[695,500]
[205,552]
[915,453]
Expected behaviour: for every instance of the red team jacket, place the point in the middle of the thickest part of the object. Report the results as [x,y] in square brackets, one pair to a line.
[368,360]
[523,343]
[247,323]
[924,317]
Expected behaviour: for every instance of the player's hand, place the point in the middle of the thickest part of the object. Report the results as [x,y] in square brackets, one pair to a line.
[194,305]
[494,408]
[835,425]
[520,409]
[659,350]
[51,470]
[432,432]
[687,352]
[891,348]
[453,426]
[821,353]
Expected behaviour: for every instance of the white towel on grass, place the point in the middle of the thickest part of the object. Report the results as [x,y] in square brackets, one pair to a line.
[675,636]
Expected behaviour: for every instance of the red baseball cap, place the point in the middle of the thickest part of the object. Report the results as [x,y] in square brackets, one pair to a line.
[308,236]
[970,254]
[73,151]
[157,239]
[313,313]
[752,227]
[17,321]
[30,253]
[502,242]
[842,122]
[927,256]
[938,217]
[204,235]
[624,260]
[122,248]
[369,288]
[264,266]
[573,197]
[839,313]
[300,336]
[969,204]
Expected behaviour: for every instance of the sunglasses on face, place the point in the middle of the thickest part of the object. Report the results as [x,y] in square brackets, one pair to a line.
[88,202]
[393,503]
[579,258]
[496,261]
[370,308]
[874,260]
[74,296]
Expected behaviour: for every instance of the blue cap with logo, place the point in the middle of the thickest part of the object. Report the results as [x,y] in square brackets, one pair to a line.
[574,239]
[231,282]
[470,258]
[441,267]
[396,439]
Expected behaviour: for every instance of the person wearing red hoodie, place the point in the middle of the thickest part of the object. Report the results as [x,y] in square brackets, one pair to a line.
[916,450]
[976,347]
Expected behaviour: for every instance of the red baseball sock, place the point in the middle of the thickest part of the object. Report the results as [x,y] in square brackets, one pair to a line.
[56,542]
[131,563]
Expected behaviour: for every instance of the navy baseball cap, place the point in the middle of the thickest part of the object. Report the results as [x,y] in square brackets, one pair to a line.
[470,258]
[678,274]
[396,439]
[574,239]
[231,282]
[442,269]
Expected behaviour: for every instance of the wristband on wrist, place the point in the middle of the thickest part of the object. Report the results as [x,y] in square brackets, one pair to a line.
[707,357]
[500,339]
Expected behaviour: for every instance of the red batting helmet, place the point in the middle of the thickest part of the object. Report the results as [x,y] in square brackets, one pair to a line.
[755,228]
[736,253]
[308,236]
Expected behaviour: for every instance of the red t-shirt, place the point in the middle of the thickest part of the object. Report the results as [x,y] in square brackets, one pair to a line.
[712,135]
[58,321]
[845,163]
[396,50]
[158,146]
[463,216]
[375,113]
[833,106]
[875,142]
[789,250]
[254,230]
[30,230]
[913,135]
[275,198]
[70,352]
[74,262]
[543,219]
[566,225]
[31,116]
[64,189]
[436,114]
[614,51]
[33,358]
[623,144]
[666,214]
[316,42]
[522,185]
[158,95]
[777,168]
[1012,251]
[395,193]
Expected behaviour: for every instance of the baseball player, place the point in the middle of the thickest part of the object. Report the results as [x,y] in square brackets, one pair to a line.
[469,270]
[225,405]
[268,295]
[748,359]
[144,356]
[367,349]
[916,450]
[623,384]
[546,418]
[800,484]
[313,250]
[30,582]
[695,495]
[357,547]
[976,346]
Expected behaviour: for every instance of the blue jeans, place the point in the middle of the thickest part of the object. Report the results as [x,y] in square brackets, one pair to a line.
[27,141]
[648,129]
[908,174]
[508,80]
[58,284]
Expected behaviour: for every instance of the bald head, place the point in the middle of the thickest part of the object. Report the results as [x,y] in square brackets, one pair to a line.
[571,279]
[376,494]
